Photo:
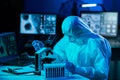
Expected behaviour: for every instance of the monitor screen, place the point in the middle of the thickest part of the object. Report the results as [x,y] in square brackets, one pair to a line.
[103,23]
[8,45]
[32,23]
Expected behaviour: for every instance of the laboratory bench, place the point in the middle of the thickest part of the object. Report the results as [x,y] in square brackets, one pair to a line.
[27,73]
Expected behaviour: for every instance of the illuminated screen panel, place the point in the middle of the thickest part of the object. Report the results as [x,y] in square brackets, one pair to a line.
[7,44]
[103,23]
[37,23]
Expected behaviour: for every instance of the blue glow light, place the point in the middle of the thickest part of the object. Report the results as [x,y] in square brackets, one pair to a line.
[89,5]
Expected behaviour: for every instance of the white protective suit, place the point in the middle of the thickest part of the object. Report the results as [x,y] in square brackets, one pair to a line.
[89,52]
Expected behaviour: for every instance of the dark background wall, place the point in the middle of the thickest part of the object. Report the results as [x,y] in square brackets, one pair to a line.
[11,9]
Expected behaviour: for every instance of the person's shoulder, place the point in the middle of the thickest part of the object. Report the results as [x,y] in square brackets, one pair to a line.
[103,39]
[100,40]
[96,39]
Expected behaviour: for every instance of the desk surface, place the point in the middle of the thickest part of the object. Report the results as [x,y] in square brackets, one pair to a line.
[30,76]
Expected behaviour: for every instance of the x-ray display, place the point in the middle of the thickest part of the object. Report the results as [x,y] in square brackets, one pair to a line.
[37,23]
[103,23]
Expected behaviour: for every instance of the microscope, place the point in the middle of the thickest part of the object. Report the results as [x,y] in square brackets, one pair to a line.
[51,70]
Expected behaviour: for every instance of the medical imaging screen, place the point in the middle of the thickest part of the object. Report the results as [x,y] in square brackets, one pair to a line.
[37,23]
[103,23]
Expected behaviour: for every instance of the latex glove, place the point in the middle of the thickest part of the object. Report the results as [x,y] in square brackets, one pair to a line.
[37,45]
[70,67]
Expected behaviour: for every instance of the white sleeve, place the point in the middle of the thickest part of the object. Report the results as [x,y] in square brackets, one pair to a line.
[98,71]
[59,49]
[100,68]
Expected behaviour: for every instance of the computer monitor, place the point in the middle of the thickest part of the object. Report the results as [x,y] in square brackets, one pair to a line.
[8,45]
[35,23]
[103,23]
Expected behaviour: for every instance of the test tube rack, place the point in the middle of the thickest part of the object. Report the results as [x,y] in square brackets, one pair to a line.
[55,71]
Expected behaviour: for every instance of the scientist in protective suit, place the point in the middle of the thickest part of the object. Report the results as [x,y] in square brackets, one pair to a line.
[85,52]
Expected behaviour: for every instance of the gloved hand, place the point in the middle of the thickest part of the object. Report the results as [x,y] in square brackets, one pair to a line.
[70,67]
[37,45]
